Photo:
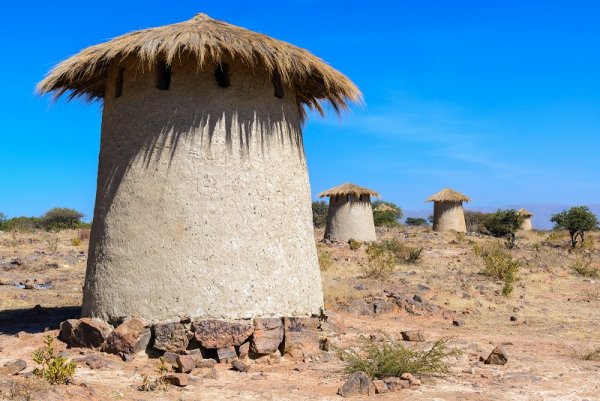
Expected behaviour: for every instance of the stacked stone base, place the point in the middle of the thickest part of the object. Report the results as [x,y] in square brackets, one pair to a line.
[222,341]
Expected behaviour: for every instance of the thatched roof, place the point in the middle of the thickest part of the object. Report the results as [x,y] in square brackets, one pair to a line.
[348,189]
[384,208]
[525,213]
[207,40]
[448,195]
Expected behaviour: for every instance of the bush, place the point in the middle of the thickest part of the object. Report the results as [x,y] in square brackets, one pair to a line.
[475,221]
[325,259]
[584,268]
[576,220]
[354,244]
[505,224]
[52,367]
[402,252]
[76,241]
[415,221]
[22,224]
[391,358]
[61,218]
[386,218]
[319,212]
[384,256]
[499,264]
[157,383]
[2,221]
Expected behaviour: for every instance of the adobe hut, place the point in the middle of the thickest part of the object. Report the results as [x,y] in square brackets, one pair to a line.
[203,200]
[350,215]
[448,213]
[527,215]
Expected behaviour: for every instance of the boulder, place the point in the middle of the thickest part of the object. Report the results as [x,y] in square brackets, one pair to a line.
[334,323]
[381,306]
[411,379]
[267,336]
[357,384]
[85,332]
[226,354]
[186,363]
[413,335]
[301,333]
[176,379]
[170,358]
[240,366]
[130,337]
[243,350]
[170,337]
[396,383]
[215,334]
[497,357]
[380,386]
[12,368]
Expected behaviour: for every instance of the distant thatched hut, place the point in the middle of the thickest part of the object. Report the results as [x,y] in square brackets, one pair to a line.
[350,214]
[448,213]
[527,215]
[384,208]
[203,200]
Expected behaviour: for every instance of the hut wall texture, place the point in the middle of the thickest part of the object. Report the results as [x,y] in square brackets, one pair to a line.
[527,226]
[448,216]
[203,205]
[350,218]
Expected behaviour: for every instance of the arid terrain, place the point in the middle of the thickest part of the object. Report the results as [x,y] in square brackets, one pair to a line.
[547,325]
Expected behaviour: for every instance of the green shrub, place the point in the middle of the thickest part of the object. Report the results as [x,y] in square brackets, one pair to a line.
[392,358]
[319,213]
[76,241]
[475,221]
[3,219]
[354,244]
[52,367]
[402,252]
[386,218]
[325,259]
[577,221]
[60,218]
[22,224]
[505,224]
[380,263]
[415,221]
[584,268]
[498,263]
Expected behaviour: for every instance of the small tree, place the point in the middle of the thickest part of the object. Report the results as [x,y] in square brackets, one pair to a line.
[388,218]
[61,218]
[319,212]
[504,223]
[576,220]
[475,221]
[415,221]
[2,220]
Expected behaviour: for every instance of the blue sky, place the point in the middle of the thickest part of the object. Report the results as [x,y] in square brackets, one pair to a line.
[497,99]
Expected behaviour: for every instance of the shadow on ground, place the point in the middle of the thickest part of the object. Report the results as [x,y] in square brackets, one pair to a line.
[36,319]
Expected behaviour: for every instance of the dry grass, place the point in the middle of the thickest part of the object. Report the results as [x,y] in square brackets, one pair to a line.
[348,189]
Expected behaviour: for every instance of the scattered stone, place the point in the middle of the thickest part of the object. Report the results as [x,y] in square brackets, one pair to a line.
[381,306]
[357,384]
[226,354]
[497,357]
[93,362]
[13,368]
[417,298]
[360,307]
[267,336]
[186,363]
[413,335]
[396,383]
[240,366]
[458,322]
[215,334]
[213,374]
[85,332]
[422,287]
[170,337]
[177,379]
[513,318]
[301,333]
[170,358]
[206,363]
[243,350]
[130,337]
[380,386]
[411,379]
[334,323]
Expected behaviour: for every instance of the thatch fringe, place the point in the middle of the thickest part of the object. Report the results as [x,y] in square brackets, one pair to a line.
[209,40]
[348,189]
[448,195]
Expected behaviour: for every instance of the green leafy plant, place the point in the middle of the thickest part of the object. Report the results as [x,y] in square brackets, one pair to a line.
[499,264]
[415,221]
[386,358]
[52,367]
[319,213]
[380,263]
[577,221]
[354,244]
[505,224]
[386,214]
[60,218]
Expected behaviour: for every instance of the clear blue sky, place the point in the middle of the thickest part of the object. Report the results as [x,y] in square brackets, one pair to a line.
[497,99]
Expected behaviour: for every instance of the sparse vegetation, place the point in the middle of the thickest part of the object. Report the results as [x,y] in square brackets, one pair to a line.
[52,242]
[386,218]
[319,212]
[391,358]
[415,221]
[588,354]
[325,258]
[475,221]
[499,264]
[354,244]
[52,367]
[584,268]
[158,382]
[577,221]
[60,218]
[504,224]
[383,257]
[76,241]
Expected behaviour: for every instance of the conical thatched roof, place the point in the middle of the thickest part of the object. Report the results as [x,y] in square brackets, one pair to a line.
[525,213]
[207,40]
[348,189]
[384,208]
[448,195]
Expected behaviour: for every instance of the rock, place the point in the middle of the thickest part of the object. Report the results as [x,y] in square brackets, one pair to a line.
[458,322]
[334,323]
[411,379]
[213,374]
[417,298]
[513,318]
[226,354]
[360,307]
[170,337]
[214,334]
[176,379]
[497,357]
[357,384]
[93,362]
[186,363]
[380,387]
[413,335]
[170,358]
[240,366]
[267,336]
[396,383]
[301,333]
[12,368]
[85,332]
[206,363]
[243,350]
[130,337]
[381,306]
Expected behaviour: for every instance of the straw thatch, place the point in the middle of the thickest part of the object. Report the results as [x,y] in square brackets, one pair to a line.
[384,208]
[525,213]
[448,195]
[348,189]
[208,40]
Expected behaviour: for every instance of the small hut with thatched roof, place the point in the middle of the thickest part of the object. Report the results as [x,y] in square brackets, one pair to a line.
[448,213]
[527,215]
[384,208]
[350,215]
[203,200]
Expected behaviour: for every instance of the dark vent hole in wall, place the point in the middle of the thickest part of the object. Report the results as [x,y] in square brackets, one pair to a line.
[163,75]
[276,78]
[119,82]
[222,75]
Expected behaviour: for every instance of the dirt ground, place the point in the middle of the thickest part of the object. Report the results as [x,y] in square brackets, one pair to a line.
[547,324]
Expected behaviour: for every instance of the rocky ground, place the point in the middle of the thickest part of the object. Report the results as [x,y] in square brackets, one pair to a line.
[546,326]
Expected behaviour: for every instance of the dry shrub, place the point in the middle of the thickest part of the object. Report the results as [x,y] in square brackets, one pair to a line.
[499,264]
[584,268]
[591,293]
[354,244]
[52,242]
[340,292]
[158,382]
[386,358]
[325,258]
[587,354]
[83,234]
[384,256]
